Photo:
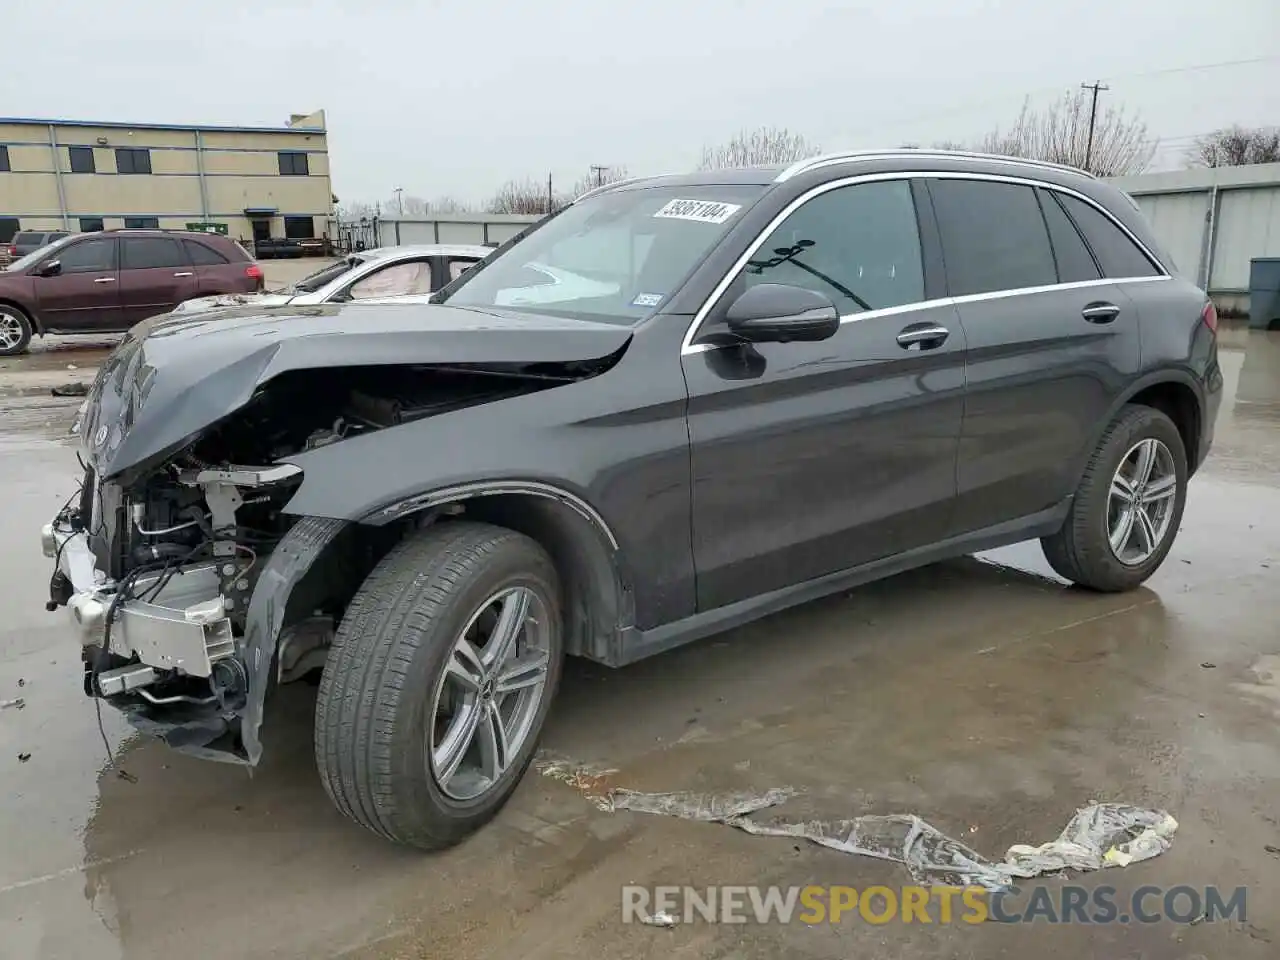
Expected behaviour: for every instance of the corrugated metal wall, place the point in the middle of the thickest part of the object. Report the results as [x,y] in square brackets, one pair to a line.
[453,228]
[1213,222]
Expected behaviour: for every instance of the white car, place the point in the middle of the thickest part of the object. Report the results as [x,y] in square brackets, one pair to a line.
[541,285]
[378,274]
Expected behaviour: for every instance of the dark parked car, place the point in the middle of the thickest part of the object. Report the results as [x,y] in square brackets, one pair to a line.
[108,281]
[29,241]
[676,406]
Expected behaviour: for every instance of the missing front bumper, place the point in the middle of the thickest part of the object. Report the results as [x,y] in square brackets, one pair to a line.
[174,622]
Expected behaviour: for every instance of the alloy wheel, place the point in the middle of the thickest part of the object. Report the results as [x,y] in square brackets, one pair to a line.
[489,693]
[1140,504]
[10,330]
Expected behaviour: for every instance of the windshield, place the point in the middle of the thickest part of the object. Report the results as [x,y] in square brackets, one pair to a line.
[313,282]
[615,257]
[22,263]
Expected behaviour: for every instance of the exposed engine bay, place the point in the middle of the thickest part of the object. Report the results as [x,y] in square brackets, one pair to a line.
[159,574]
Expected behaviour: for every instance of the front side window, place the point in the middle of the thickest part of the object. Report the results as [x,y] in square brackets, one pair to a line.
[314,281]
[858,245]
[615,257]
[397,280]
[150,253]
[1118,255]
[88,256]
[993,237]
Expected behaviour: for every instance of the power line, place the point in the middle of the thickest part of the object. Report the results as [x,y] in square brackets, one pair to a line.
[1004,98]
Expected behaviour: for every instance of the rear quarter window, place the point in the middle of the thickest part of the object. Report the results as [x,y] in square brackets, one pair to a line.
[1118,256]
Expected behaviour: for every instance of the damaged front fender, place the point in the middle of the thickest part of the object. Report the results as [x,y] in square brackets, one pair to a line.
[287,589]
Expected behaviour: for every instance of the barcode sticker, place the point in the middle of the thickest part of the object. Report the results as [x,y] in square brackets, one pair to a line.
[702,211]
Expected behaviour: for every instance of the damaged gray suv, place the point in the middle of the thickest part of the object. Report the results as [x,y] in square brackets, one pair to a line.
[678,405]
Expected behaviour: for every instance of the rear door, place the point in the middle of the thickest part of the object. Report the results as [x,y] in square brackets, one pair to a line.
[1051,345]
[812,458]
[155,276]
[84,295]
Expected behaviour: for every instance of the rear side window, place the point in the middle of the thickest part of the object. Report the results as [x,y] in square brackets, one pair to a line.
[993,237]
[203,256]
[1115,252]
[145,253]
[1075,263]
[858,245]
[27,239]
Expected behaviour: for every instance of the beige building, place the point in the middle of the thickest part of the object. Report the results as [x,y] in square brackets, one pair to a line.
[253,183]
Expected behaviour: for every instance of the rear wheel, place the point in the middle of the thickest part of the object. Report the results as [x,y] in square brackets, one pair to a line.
[15,331]
[438,683]
[1126,512]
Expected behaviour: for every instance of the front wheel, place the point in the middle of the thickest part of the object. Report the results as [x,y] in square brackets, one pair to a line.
[1126,512]
[15,331]
[438,683]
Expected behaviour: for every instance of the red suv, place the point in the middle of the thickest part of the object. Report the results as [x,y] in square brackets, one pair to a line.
[106,282]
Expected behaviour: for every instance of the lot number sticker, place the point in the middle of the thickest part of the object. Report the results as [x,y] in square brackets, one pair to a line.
[701,211]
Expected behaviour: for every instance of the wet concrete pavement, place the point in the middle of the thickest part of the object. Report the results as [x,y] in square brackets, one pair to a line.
[982,695]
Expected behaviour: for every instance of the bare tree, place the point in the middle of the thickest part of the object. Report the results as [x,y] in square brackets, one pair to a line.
[597,177]
[1060,134]
[523,196]
[763,146]
[1236,146]
[351,212]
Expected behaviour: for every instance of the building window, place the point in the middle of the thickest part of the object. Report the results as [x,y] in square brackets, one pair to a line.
[299,228]
[90,224]
[8,227]
[4,159]
[293,164]
[142,223]
[81,159]
[133,160]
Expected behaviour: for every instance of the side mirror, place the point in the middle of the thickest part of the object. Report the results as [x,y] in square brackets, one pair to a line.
[50,268]
[779,313]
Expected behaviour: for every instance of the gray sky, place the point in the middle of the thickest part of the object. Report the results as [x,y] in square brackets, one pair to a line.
[455,97]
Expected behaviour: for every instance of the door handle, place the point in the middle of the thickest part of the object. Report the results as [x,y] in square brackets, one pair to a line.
[925,336]
[105,280]
[187,274]
[1100,312]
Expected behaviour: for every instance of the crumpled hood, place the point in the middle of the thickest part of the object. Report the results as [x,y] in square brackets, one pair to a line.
[265,299]
[174,375]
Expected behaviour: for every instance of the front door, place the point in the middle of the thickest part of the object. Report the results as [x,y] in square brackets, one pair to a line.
[84,295]
[155,276]
[811,458]
[1051,345]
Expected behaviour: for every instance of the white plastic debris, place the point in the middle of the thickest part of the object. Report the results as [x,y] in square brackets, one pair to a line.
[659,919]
[1099,836]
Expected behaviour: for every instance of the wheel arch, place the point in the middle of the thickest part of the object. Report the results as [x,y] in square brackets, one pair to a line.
[1174,393]
[598,599]
[32,317]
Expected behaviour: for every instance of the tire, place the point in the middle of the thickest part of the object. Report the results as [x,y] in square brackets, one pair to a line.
[375,749]
[15,331]
[1082,551]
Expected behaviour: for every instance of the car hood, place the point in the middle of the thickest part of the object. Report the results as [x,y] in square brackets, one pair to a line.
[174,375]
[265,299]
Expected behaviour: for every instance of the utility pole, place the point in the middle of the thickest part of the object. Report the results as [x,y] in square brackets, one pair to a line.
[399,192]
[551,197]
[598,170]
[1093,117]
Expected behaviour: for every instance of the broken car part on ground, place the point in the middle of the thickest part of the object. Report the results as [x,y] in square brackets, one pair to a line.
[586,446]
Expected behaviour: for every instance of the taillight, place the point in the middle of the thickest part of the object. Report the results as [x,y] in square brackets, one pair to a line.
[13,251]
[253,272]
[1210,316]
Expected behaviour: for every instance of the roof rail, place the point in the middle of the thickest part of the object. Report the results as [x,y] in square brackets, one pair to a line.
[606,186]
[829,159]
